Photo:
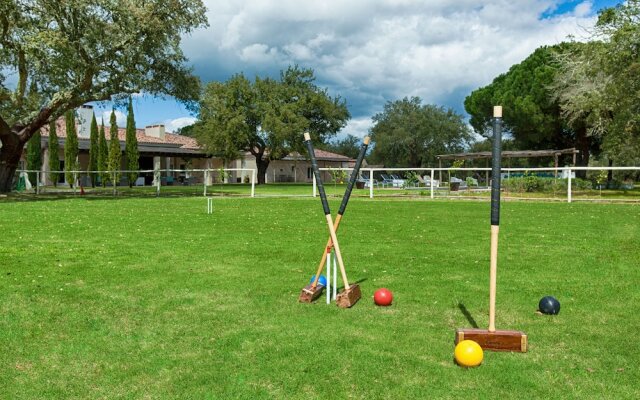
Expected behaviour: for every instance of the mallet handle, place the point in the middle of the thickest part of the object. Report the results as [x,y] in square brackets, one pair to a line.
[336,248]
[325,206]
[495,213]
[493,274]
[336,224]
[343,206]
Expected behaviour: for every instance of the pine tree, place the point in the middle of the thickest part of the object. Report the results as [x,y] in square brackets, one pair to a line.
[34,156]
[93,151]
[115,154]
[70,148]
[54,158]
[131,146]
[103,156]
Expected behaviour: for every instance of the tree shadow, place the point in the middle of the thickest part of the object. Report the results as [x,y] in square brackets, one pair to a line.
[467,315]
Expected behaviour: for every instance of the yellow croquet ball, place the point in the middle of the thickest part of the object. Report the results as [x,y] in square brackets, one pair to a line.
[468,353]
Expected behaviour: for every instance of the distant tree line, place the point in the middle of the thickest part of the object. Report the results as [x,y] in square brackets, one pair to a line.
[582,95]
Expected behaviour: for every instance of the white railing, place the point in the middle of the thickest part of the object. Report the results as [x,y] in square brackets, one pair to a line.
[157,176]
[564,171]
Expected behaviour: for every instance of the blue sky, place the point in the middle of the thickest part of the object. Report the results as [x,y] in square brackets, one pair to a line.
[372,51]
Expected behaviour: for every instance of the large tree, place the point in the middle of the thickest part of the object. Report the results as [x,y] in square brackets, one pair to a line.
[81,51]
[348,146]
[93,150]
[599,83]
[131,146]
[531,112]
[103,155]
[409,134]
[54,157]
[267,117]
[34,156]
[115,152]
[70,148]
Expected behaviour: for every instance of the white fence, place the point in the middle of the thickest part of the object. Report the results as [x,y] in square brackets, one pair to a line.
[434,185]
[434,182]
[159,178]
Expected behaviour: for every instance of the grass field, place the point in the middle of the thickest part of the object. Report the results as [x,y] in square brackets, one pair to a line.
[153,298]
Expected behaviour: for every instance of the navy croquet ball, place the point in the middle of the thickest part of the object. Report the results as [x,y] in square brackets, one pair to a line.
[549,305]
[322,281]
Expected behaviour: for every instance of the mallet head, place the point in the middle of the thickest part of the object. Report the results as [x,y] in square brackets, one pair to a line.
[348,297]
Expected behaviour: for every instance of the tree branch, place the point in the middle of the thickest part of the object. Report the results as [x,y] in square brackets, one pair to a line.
[22,78]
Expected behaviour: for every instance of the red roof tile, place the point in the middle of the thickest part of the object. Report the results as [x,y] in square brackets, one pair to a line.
[185,142]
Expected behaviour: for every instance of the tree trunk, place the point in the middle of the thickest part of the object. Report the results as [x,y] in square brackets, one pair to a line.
[583,143]
[262,169]
[9,159]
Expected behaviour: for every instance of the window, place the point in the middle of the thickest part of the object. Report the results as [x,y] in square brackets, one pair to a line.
[309,172]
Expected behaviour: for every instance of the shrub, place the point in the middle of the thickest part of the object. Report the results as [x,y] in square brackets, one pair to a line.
[411,180]
[582,184]
[530,182]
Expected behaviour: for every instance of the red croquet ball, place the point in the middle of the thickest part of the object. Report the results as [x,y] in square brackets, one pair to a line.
[383,297]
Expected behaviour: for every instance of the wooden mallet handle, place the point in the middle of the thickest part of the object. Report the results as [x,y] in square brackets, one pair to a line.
[495,213]
[327,211]
[343,206]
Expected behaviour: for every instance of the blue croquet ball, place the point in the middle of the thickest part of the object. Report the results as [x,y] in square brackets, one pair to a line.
[549,305]
[322,281]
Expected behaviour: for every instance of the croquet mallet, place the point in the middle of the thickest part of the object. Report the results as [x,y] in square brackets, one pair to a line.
[492,339]
[351,293]
[312,291]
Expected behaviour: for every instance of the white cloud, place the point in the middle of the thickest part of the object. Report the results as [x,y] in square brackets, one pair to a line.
[583,9]
[172,125]
[358,127]
[370,52]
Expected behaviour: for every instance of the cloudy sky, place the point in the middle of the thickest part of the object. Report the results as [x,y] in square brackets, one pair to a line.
[373,51]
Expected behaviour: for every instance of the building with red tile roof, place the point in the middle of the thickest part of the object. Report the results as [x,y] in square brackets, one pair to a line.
[163,150]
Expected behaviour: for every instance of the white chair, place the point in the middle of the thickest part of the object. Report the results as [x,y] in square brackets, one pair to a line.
[427,181]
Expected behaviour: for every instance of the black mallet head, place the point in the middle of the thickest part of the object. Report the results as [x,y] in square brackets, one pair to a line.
[549,305]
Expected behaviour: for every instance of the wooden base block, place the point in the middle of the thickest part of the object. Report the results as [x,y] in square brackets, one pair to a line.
[347,298]
[309,293]
[496,341]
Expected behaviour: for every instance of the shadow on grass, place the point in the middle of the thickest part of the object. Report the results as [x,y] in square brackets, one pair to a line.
[467,315]
[359,281]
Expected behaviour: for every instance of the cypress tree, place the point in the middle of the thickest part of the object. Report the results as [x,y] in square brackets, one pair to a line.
[103,156]
[70,148]
[93,151]
[114,150]
[34,156]
[131,146]
[54,158]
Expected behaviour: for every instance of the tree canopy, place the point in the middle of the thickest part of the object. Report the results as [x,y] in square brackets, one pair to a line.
[531,113]
[267,117]
[348,146]
[410,134]
[598,85]
[74,52]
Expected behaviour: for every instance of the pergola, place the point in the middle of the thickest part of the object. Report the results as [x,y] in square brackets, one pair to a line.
[508,155]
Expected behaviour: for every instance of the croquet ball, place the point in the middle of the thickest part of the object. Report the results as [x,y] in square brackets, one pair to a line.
[549,305]
[383,297]
[468,353]
[322,280]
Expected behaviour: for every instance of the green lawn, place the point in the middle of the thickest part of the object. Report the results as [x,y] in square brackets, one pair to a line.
[153,298]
